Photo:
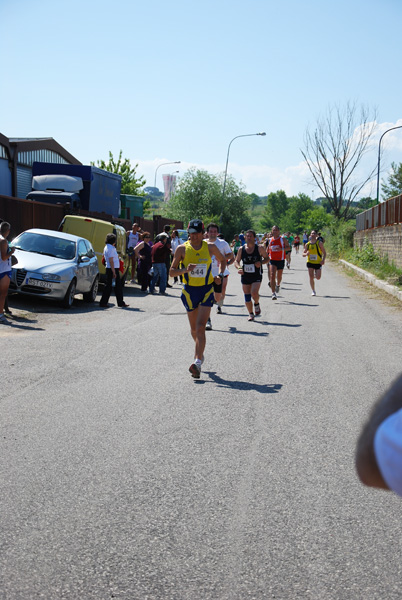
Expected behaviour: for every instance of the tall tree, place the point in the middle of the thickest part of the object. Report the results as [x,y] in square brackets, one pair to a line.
[333,152]
[199,195]
[130,182]
[394,185]
[293,219]
[277,205]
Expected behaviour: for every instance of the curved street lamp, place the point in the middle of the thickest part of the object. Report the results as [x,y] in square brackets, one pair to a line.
[175,162]
[378,164]
[227,162]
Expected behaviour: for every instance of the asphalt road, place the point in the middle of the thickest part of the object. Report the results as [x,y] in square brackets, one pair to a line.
[122,477]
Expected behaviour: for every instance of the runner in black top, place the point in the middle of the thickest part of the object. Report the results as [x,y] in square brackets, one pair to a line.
[252,258]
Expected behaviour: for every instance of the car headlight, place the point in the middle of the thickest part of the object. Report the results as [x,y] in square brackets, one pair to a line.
[51,277]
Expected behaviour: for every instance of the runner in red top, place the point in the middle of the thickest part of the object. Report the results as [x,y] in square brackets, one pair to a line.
[277,247]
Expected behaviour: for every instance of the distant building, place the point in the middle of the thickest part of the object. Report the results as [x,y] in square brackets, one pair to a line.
[17,156]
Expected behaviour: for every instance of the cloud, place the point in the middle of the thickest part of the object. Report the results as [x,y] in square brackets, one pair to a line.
[293,179]
[260,179]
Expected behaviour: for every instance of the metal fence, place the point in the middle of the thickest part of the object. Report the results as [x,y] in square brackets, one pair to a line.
[385,213]
[26,214]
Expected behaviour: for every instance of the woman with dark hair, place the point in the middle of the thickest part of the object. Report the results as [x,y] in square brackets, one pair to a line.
[143,253]
[112,273]
[5,267]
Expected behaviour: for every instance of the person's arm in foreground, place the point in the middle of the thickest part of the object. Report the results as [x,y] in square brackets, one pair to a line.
[366,463]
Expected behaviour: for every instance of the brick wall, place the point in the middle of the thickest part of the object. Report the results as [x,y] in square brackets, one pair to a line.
[385,240]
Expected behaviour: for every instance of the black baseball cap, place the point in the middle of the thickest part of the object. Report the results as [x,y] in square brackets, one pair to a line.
[195,226]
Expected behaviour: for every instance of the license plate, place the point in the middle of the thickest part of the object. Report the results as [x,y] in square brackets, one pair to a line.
[40,283]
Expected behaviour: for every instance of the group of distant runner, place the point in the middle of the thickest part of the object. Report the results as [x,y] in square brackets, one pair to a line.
[202,264]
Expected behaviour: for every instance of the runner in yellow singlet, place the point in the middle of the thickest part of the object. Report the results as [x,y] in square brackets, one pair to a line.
[193,261]
[315,252]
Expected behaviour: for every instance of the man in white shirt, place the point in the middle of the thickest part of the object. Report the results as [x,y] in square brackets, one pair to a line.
[379,448]
[225,250]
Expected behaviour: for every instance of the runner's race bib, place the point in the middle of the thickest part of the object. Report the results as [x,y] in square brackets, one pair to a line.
[313,256]
[249,268]
[199,271]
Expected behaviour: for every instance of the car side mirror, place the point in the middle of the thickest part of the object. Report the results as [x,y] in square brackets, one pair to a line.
[84,259]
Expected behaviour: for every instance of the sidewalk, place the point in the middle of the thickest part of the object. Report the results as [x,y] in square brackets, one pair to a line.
[382,285]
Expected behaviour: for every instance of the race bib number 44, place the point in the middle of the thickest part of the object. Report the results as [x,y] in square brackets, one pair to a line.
[199,271]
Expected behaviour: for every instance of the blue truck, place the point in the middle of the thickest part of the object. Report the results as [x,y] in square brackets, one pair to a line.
[83,187]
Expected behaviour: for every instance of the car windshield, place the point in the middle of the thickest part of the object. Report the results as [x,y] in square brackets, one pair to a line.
[45,244]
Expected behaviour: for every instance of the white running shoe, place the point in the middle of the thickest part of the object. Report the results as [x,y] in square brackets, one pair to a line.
[208,326]
[313,294]
[274,296]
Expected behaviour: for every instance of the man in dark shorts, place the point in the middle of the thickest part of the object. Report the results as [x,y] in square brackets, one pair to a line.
[277,248]
[315,252]
[249,261]
[193,261]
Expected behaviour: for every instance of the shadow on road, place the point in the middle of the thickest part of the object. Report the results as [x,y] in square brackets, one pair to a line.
[268,388]
[258,334]
[21,323]
[298,303]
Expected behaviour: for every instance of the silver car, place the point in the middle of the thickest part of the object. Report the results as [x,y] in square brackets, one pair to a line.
[55,265]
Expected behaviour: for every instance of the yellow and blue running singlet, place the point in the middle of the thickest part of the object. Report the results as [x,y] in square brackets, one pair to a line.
[202,274]
[198,289]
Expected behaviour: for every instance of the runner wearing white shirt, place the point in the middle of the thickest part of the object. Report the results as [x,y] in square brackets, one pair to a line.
[225,250]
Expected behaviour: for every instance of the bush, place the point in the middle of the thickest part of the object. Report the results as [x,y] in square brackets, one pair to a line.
[339,238]
[370,260]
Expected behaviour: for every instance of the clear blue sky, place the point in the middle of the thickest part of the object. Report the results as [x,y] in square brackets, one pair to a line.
[166,81]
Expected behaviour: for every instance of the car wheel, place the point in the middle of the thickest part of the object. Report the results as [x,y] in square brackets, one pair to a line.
[69,297]
[91,295]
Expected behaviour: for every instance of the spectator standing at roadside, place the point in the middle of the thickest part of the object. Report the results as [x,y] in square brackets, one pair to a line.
[160,251]
[133,237]
[5,267]
[144,255]
[175,241]
[166,230]
[112,273]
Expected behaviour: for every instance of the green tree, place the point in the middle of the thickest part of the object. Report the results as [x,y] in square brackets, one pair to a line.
[365,203]
[199,195]
[130,182]
[333,151]
[293,219]
[394,185]
[316,218]
[277,205]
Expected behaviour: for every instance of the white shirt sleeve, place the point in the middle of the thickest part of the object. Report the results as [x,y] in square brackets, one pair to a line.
[388,451]
[110,254]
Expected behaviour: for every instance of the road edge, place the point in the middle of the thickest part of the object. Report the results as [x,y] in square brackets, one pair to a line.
[382,285]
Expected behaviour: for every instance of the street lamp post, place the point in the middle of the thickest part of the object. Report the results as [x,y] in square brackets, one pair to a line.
[227,162]
[379,155]
[175,162]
